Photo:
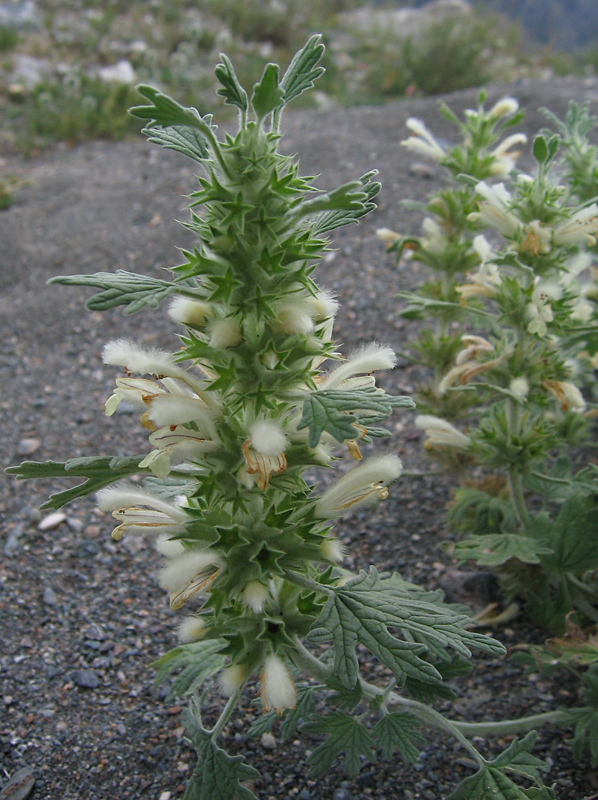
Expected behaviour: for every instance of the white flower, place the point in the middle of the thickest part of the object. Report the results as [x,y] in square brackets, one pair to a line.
[266,436]
[434,241]
[190,312]
[224,333]
[140,512]
[278,686]
[441,433]
[368,359]
[363,484]
[324,305]
[505,107]
[567,394]
[422,140]
[387,236]
[494,208]
[176,443]
[539,311]
[519,387]
[254,596]
[232,679]
[579,228]
[186,574]
[483,248]
[537,239]
[191,629]
[294,314]
[127,354]
[504,158]
[483,283]
[475,346]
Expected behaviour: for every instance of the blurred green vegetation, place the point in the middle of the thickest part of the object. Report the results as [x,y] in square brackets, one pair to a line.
[174,44]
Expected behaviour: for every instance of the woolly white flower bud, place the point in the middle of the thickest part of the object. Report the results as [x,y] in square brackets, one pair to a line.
[422,141]
[188,573]
[225,333]
[324,305]
[370,358]
[519,387]
[294,316]
[176,409]
[125,353]
[190,312]
[567,394]
[364,484]
[278,686]
[191,629]
[503,108]
[254,596]
[231,679]
[171,548]
[267,438]
[332,550]
[441,433]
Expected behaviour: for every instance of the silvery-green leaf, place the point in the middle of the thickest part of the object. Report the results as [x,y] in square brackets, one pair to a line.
[494,549]
[232,91]
[345,735]
[302,71]
[120,288]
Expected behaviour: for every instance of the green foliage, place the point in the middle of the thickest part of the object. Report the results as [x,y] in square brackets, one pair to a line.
[345,735]
[99,471]
[197,661]
[495,549]
[356,614]
[491,782]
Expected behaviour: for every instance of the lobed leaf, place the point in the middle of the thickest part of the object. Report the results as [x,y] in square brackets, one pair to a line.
[345,735]
[494,549]
[303,71]
[232,91]
[99,471]
[401,731]
[120,288]
[198,660]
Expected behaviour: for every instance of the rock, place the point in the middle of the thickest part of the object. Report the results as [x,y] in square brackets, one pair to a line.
[75,524]
[86,678]
[49,597]
[19,786]
[268,741]
[28,446]
[420,170]
[51,521]
[12,543]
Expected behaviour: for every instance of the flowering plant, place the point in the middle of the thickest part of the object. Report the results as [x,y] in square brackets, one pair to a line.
[522,364]
[235,418]
[448,245]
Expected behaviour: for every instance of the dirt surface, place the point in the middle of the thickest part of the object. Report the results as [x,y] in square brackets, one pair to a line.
[82,617]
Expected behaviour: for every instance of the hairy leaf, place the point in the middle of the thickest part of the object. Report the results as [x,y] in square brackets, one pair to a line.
[330,220]
[400,731]
[232,91]
[491,782]
[363,610]
[336,412]
[572,537]
[302,71]
[345,735]
[120,288]
[493,549]
[100,471]
[198,660]
[267,94]
[217,776]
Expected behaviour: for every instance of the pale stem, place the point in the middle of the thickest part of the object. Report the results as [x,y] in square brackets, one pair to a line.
[226,712]
[307,583]
[514,478]
[309,662]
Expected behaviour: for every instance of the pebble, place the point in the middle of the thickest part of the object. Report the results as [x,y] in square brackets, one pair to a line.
[12,543]
[19,786]
[342,794]
[28,446]
[268,741]
[49,597]
[86,678]
[51,521]
[420,170]
[75,524]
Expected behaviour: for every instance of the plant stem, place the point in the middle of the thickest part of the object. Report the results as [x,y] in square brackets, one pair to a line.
[309,662]
[307,583]
[226,712]
[514,478]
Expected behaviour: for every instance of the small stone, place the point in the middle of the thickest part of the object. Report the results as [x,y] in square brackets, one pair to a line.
[304,795]
[75,524]
[86,678]
[51,521]
[19,786]
[268,741]
[342,794]
[28,446]
[49,597]
[419,170]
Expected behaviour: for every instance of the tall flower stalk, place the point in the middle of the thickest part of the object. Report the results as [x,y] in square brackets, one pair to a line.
[254,398]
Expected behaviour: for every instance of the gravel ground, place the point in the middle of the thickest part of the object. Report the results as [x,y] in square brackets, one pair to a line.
[83,617]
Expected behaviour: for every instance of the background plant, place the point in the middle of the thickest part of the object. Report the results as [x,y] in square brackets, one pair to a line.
[521,367]
[235,418]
